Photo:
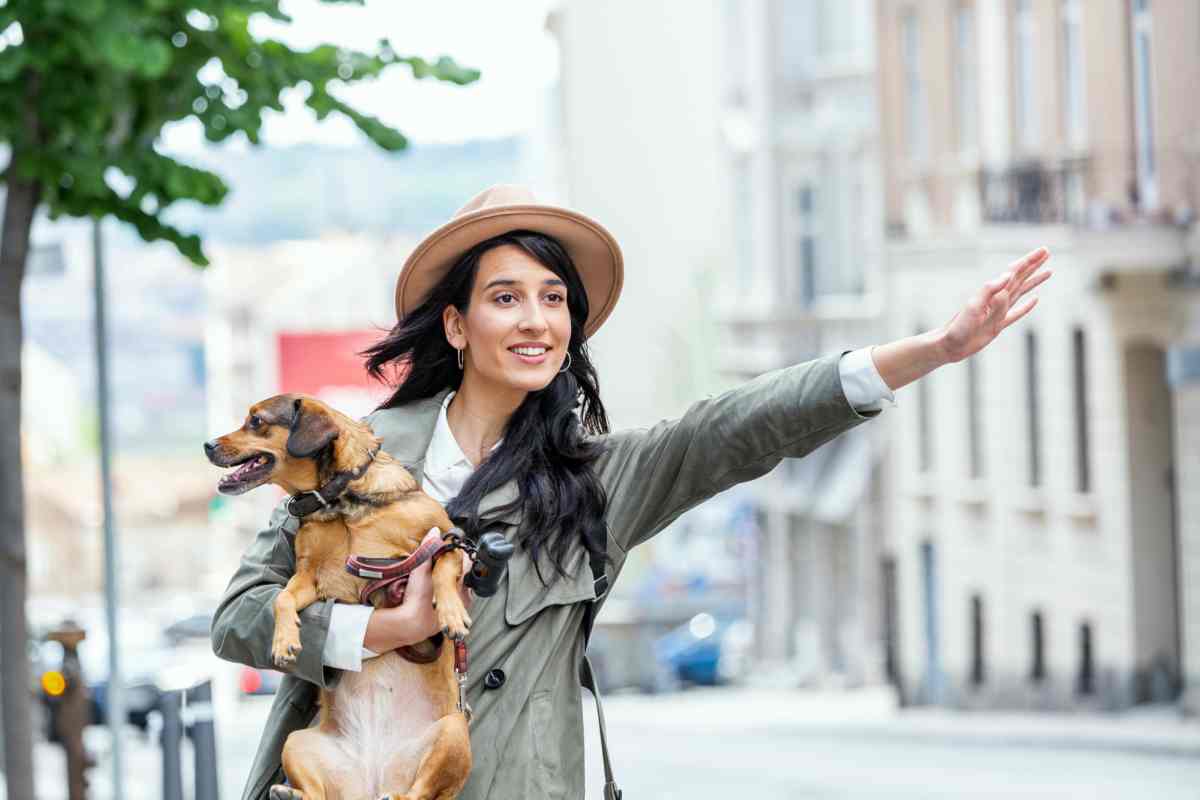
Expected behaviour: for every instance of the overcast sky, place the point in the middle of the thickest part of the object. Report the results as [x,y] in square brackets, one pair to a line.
[506,40]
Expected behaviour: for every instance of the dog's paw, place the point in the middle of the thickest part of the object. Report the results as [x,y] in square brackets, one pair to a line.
[286,649]
[454,621]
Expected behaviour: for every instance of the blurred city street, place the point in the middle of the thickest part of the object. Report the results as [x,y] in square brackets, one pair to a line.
[982,579]
[712,743]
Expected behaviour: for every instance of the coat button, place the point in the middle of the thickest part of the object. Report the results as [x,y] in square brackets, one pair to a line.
[494,678]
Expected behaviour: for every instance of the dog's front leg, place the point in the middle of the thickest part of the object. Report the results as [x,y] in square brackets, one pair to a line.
[451,613]
[300,592]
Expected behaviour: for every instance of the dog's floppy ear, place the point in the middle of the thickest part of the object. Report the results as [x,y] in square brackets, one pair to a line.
[311,431]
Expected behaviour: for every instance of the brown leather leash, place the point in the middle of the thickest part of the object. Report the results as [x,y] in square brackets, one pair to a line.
[390,575]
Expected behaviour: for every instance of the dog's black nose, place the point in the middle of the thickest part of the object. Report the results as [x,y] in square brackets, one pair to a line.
[209,447]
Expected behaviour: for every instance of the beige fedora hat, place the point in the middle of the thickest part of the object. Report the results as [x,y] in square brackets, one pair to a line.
[508,207]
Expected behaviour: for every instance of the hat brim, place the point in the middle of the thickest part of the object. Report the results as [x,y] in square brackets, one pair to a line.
[594,251]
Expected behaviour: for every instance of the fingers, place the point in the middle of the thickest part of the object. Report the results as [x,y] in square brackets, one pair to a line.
[1021,268]
[1017,313]
[1014,280]
[1033,283]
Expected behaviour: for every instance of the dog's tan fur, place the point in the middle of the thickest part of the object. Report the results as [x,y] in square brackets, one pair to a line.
[392,730]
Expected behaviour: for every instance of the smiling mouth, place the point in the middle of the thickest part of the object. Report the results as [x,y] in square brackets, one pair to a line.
[250,473]
[530,358]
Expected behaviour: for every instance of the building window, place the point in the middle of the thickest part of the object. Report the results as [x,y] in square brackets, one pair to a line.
[807,251]
[1031,405]
[966,85]
[1037,669]
[1143,99]
[1083,473]
[1025,75]
[977,667]
[1073,101]
[914,90]
[974,439]
[924,428]
[1085,683]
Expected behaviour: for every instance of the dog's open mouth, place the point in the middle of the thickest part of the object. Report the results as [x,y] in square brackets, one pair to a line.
[249,474]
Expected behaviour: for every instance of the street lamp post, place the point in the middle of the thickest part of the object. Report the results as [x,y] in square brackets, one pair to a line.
[116,694]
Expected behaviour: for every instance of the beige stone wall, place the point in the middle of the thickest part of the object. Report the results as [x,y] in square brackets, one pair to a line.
[1108,89]
[1110,127]
[1177,112]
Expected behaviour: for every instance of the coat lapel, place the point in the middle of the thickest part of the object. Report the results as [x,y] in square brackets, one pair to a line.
[407,431]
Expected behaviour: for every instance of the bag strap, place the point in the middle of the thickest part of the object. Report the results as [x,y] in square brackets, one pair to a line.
[587,677]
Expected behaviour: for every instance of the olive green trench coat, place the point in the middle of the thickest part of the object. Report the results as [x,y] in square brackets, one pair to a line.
[527,735]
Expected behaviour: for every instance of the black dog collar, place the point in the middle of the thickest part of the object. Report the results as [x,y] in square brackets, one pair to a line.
[305,503]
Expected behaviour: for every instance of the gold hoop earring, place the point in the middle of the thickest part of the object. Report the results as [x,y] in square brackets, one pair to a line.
[460,357]
[568,366]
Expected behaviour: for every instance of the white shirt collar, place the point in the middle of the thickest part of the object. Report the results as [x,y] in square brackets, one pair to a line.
[444,453]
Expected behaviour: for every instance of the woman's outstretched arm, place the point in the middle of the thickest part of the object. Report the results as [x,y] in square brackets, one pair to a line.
[654,474]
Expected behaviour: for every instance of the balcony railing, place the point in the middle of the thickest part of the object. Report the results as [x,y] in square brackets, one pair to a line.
[1079,190]
[1035,192]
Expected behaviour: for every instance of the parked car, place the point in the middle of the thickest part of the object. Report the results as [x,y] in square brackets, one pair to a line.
[707,650]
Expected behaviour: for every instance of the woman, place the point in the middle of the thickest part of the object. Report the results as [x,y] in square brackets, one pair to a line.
[494,311]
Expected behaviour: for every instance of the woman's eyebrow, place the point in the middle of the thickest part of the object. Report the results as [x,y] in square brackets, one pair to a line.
[511,282]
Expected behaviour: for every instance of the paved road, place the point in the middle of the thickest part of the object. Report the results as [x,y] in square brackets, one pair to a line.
[718,744]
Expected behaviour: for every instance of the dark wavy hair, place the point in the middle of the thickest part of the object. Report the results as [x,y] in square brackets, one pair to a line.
[544,448]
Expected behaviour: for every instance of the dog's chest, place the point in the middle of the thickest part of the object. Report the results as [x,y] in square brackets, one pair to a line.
[323,547]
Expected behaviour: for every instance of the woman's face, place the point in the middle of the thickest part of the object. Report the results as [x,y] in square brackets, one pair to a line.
[516,303]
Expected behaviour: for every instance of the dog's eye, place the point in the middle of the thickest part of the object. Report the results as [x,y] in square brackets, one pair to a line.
[255,421]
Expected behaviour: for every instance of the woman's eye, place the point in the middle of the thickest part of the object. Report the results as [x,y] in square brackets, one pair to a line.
[555,296]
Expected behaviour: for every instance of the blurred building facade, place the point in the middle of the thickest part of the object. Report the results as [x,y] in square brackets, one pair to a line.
[258,296]
[1047,521]
[631,138]
[160,486]
[798,121]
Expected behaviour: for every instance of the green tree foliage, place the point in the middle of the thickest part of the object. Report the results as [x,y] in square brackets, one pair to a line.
[87,90]
[86,87]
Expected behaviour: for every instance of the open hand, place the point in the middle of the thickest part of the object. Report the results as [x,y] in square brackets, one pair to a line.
[991,309]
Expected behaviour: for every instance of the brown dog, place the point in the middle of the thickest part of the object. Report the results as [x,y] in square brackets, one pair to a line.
[394,729]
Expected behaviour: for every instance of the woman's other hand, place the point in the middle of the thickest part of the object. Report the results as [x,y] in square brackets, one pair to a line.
[991,309]
[415,619]
[418,597]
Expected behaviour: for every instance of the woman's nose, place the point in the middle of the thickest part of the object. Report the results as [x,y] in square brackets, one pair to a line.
[533,320]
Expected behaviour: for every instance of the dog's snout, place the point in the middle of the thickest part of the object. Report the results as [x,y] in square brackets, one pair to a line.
[209,447]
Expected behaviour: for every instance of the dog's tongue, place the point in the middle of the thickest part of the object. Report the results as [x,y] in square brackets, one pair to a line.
[244,468]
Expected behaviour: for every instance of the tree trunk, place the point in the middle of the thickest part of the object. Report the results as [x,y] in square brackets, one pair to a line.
[15,689]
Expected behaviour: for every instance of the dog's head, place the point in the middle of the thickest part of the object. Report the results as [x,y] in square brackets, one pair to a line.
[291,440]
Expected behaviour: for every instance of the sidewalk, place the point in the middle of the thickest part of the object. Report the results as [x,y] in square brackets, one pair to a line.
[872,713]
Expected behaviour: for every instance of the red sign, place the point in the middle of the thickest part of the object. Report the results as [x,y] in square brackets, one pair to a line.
[327,366]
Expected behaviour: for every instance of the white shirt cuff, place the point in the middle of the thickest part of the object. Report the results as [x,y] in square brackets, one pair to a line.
[864,388]
[344,642]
